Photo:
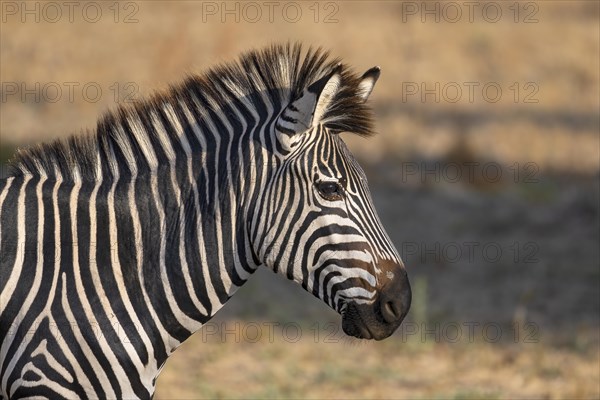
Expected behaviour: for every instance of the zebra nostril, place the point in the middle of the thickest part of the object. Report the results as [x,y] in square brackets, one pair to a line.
[390,311]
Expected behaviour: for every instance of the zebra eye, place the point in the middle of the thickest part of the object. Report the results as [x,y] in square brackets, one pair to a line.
[330,190]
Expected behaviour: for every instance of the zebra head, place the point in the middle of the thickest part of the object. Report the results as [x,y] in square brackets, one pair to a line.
[320,228]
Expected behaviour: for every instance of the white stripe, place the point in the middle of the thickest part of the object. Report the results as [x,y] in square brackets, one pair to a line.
[249,179]
[225,279]
[43,381]
[15,272]
[347,272]
[353,294]
[143,141]
[147,374]
[182,256]
[139,245]
[241,179]
[42,350]
[46,312]
[83,346]
[3,195]
[125,147]
[91,318]
[181,318]
[39,263]
[210,288]
[118,274]
[36,323]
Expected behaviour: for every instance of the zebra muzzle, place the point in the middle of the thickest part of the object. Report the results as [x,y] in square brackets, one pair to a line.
[381,318]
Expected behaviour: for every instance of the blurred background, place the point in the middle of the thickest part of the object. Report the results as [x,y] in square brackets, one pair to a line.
[485,172]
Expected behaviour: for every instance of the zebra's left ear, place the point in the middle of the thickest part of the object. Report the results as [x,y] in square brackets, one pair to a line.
[367,82]
[308,109]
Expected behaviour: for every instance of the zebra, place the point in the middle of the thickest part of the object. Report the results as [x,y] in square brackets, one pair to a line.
[119,244]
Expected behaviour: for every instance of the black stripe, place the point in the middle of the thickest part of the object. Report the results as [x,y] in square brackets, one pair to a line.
[285,130]
[10,241]
[288,119]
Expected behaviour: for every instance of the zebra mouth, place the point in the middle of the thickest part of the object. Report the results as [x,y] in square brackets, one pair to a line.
[364,331]
[361,322]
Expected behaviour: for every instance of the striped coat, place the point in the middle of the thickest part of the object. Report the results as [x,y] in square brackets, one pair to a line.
[118,245]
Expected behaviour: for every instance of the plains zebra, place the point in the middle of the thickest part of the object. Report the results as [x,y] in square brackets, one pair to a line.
[117,246]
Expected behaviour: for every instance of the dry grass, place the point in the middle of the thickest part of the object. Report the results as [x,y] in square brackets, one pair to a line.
[389,369]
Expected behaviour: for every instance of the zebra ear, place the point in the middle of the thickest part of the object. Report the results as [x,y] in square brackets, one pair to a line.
[367,82]
[308,109]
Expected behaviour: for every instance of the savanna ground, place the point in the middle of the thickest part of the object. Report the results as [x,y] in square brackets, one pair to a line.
[504,265]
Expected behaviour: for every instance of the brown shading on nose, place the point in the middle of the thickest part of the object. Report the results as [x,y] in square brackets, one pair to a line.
[396,295]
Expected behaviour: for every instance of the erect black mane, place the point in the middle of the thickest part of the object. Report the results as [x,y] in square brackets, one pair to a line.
[280,71]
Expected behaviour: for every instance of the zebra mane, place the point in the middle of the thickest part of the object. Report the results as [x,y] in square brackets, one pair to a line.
[279,71]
